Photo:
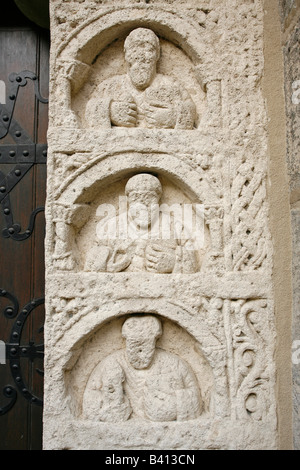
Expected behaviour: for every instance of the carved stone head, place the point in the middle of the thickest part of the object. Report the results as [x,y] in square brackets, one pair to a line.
[143,192]
[142,52]
[141,334]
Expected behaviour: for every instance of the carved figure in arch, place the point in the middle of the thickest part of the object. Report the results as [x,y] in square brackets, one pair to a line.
[142,97]
[143,238]
[142,380]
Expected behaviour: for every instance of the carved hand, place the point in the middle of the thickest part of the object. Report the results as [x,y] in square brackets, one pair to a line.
[160,115]
[118,261]
[123,113]
[160,258]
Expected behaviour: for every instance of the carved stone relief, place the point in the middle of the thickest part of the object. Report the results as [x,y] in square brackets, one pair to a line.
[250,239]
[142,380]
[252,380]
[146,236]
[141,97]
[159,321]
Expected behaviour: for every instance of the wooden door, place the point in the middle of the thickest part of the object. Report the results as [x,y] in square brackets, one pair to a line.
[24,60]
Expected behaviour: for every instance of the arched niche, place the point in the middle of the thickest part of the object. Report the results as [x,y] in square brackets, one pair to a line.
[80,50]
[102,337]
[103,182]
[95,34]
[109,71]
[110,207]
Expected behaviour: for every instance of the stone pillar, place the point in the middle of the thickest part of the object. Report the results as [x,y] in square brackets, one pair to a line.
[290,20]
[160,329]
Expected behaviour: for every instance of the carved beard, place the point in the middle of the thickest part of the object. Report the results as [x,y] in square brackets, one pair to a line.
[141,75]
[140,356]
[143,215]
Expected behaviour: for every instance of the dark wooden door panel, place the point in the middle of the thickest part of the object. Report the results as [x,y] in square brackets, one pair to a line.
[22,250]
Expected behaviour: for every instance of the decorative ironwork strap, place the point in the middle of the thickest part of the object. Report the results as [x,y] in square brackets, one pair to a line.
[6,112]
[15,351]
[24,154]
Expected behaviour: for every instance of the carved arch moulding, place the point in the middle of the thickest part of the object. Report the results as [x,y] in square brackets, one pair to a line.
[187,198]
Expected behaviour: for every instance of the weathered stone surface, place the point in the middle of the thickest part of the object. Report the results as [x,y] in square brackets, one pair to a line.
[286,7]
[292,92]
[291,53]
[193,117]
[296,325]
